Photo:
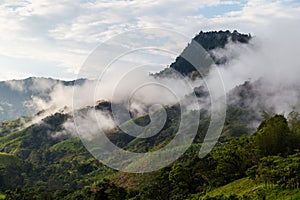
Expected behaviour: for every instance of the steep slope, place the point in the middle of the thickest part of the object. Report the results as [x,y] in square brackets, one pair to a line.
[49,162]
[209,41]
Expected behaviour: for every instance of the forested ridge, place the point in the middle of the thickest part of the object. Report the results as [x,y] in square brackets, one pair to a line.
[39,166]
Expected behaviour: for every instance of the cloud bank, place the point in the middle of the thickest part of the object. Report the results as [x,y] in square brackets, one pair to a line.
[272,62]
[53,38]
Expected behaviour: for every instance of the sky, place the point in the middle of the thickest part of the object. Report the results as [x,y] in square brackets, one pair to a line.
[53,38]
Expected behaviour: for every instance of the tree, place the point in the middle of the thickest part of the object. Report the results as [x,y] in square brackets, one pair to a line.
[294,124]
[233,158]
[106,190]
[272,136]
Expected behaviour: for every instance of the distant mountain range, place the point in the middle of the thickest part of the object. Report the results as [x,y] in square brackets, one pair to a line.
[16,95]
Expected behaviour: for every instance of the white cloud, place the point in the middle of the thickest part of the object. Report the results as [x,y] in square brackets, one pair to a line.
[271,60]
[15,85]
[64,32]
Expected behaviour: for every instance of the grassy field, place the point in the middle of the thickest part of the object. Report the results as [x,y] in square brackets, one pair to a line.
[246,186]
[239,187]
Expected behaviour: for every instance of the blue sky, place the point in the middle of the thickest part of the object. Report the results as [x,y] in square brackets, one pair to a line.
[219,10]
[53,38]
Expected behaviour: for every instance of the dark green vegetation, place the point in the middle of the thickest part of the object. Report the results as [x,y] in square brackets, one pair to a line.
[37,165]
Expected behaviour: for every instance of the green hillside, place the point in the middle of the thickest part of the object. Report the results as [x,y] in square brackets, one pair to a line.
[247,189]
[36,165]
[246,163]
[10,171]
[8,160]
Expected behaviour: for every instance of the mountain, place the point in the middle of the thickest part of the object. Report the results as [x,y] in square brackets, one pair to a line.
[16,95]
[209,41]
[256,157]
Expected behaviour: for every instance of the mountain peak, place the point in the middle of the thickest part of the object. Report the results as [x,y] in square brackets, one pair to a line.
[209,41]
[218,39]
